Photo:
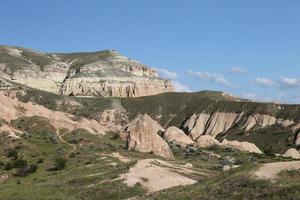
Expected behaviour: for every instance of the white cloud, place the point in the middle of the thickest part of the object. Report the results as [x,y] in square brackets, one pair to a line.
[164,73]
[265,82]
[237,70]
[288,82]
[214,77]
[179,87]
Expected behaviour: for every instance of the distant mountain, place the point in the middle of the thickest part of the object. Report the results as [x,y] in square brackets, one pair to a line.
[102,73]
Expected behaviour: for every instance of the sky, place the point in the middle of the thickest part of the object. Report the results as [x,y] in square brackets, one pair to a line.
[248,48]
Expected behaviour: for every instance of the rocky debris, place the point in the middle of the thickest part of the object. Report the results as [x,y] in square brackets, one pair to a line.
[4,177]
[242,146]
[12,132]
[143,136]
[206,141]
[113,119]
[105,73]
[271,170]
[226,168]
[177,136]
[188,165]
[156,175]
[12,109]
[292,153]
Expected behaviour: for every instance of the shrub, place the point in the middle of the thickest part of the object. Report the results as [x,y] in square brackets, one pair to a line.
[60,163]
[8,166]
[25,171]
[115,136]
[11,153]
[19,163]
[269,152]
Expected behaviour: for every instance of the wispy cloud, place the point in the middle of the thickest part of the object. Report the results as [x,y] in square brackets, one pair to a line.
[164,73]
[287,82]
[237,70]
[213,77]
[265,82]
[179,87]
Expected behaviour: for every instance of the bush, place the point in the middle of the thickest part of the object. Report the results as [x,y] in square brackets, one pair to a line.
[269,152]
[11,153]
[8,166]
[60,163]
[19,163]
[115,136]
[25,171]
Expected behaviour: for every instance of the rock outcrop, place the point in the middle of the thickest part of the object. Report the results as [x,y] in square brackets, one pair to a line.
[11,109]
[177,136]
[220,122]
[260,120]
[242,146]
[210,124]
[292,153]
[143,136]
[206,141]
[104,73]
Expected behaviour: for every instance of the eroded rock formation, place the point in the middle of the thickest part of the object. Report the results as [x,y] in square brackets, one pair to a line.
[220,122]
[292,153]
[242,146]
[177,136]
[143,135]
[104,73]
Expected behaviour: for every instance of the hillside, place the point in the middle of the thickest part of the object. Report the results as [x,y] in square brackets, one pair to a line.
[202,145]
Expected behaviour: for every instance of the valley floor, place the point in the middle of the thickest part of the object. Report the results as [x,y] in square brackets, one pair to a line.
[100,168]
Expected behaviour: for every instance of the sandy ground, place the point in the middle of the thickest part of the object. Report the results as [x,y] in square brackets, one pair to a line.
[117,155]
[271,170]
[156,175]
[12,109]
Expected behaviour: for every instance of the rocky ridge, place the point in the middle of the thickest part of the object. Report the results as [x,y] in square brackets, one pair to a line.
[220,122]
[104,73]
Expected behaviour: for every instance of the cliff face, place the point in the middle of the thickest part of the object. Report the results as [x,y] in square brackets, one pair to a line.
[105,73]
[220,122]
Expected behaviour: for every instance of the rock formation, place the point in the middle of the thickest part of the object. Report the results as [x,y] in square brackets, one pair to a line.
[104,73]
[177,136]
[292,153]
[211,124]
[220,122]
[206,141]
[143,136]
[12,109]
[242,146]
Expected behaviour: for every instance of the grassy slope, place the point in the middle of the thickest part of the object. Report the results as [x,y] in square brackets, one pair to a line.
[40,142]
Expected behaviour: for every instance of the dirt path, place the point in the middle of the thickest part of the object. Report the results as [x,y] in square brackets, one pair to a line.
[60,137]
[271,170]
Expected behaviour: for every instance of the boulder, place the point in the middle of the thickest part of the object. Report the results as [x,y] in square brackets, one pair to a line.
[226,168]
[177,136]
[206,141]
[292,153]
[143,136]
[242,146]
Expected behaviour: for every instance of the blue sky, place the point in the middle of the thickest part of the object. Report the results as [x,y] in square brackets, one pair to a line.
[249,48]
